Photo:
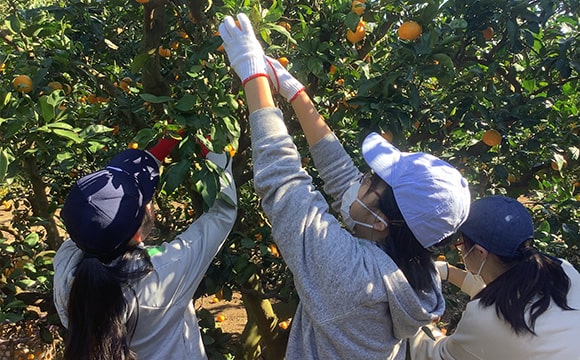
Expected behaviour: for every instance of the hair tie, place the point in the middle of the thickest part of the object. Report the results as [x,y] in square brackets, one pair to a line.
[528,251]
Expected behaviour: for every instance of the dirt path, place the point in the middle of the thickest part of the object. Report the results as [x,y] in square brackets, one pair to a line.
[234,312]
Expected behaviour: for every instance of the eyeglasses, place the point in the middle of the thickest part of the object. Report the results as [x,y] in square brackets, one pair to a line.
[366,179]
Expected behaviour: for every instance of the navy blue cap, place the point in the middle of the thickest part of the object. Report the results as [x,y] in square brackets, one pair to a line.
[500,224]
[105,209]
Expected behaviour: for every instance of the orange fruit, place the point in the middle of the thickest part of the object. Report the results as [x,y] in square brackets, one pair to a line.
[274,250]
[410,30]
[258,237]
[511,178]
[215,300]
[182,34]
[577,184]
[358,34]
[284,324]
[2,67]
[220,318]
[487,33]
[133,145]
[55,85]
[332,69]
[285,25]
[164,52]
[92,99]
[174,45]
[388,136]
[142,1]
[22,83]
[284,61]
[124,85]
[358,7]
[230,149]
[441,257]
[491,137]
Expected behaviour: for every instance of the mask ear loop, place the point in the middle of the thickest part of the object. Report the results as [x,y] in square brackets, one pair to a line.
[373,213]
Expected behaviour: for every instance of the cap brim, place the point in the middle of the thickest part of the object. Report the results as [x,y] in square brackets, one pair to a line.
[381,156]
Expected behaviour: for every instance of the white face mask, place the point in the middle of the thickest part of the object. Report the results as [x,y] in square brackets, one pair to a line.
[349,197]
[473,283]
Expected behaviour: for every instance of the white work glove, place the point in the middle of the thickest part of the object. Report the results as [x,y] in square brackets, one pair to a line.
[282,81]
[243,49]
[442,268]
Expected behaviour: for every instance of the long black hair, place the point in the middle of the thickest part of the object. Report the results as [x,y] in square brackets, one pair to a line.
[401,245]
[97,328]
[531,282]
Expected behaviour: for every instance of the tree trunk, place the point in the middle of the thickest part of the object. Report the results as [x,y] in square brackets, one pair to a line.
[39,202]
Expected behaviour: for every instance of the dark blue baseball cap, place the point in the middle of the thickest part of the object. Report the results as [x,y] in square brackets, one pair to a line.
[499,224]
[105,209]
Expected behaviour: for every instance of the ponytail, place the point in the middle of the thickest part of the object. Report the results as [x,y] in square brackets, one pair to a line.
[97,309]
[533,275]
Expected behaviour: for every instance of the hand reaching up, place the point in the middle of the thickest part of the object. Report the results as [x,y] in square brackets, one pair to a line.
[282,81]
[243,49]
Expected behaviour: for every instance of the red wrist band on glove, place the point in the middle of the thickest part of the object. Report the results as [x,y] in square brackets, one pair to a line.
[296,95]
[252,77]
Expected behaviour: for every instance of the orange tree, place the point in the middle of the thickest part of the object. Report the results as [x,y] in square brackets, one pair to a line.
[490,86]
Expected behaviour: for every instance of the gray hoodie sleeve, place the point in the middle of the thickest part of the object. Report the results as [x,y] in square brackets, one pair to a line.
[324,258]
[335,167]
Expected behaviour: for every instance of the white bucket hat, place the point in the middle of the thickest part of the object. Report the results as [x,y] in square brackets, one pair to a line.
[432,195]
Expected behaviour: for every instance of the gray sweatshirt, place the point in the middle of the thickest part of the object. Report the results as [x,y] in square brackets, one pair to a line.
[355,303]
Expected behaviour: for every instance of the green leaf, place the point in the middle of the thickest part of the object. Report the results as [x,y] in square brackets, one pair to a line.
[429,13]
[176,174]
[446,62]
[140,60]
[187,103]
[155,99]
[32,239]
[207,186]
[3,164]
[71,135]
[7,98]
[93,130]
[144,136]
[351,20]
[47,109]
[428,332]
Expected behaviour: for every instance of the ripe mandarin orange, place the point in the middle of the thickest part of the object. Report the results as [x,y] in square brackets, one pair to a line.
[491,137]
[488,33]
[358,7]
[358,34]
[283,61]
[22,83]
[410,30]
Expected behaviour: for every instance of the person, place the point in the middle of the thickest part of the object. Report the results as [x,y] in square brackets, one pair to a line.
[361,293]
[118,298]
[529,306]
